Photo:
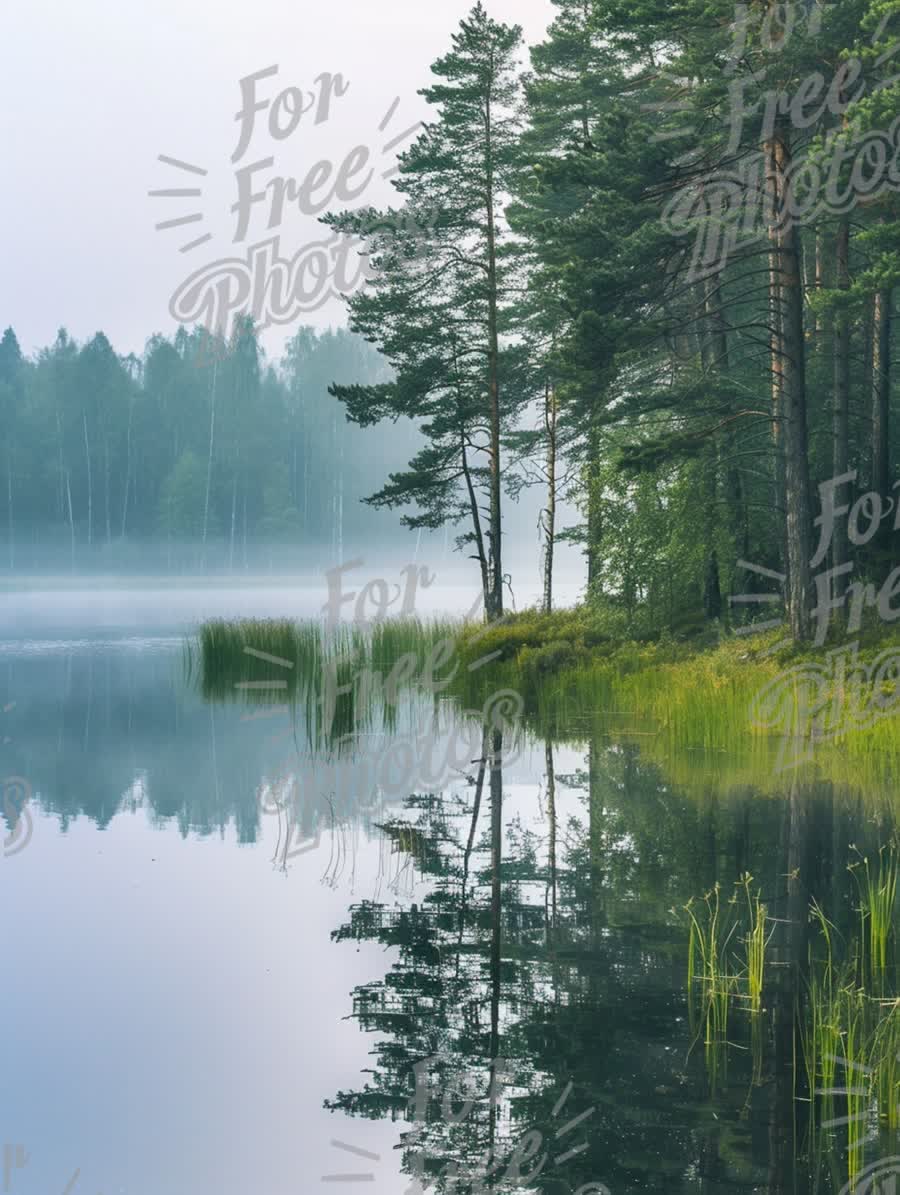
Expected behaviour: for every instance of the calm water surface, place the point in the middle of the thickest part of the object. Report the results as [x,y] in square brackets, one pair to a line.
[203,994]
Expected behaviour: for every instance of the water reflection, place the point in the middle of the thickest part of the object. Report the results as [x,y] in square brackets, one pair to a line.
[566,955]
[532,910]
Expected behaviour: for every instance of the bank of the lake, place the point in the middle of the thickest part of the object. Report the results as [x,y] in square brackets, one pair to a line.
[763,704]
[766,704]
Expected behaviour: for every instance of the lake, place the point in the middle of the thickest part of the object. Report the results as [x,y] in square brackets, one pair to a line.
[238,964]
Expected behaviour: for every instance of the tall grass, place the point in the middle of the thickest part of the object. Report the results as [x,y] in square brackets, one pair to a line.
[718,971]
[719,974]
[848,1023]
[690,710]
[820,1034]
[345,680]
[710,982]
[877,901]
[886,1054]
[756,940]
[687,703]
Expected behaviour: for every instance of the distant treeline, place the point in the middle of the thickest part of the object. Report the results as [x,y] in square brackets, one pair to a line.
[197,442]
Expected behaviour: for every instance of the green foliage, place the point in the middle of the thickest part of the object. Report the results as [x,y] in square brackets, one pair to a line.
[877,886]
[182,499]
[104,448]
[440,295]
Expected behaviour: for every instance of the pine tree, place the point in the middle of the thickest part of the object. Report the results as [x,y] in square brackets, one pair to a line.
[440,294]
[11,395]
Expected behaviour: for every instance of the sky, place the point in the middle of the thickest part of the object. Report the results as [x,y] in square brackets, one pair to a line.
[93,93]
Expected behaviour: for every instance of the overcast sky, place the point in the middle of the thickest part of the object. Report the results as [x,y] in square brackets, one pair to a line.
[94,91]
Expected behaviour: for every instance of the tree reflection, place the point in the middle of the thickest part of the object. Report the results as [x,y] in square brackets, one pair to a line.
[558,946]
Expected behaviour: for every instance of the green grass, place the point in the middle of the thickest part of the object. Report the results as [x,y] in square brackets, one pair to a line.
[848,1010]
[718,972]
[700,708]
[710,982]
[756,940]
[344,680]
[690,706]
[820,1033]
[877,900]
[886,1053]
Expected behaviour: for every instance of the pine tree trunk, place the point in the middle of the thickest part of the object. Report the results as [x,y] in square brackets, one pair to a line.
[9,507]
[71,518]
[797,483]
[340,511]
[881,402]
[820,271]
[233,509]
[881,392]
[334,487]
[90,487]
[106,488]
[306,474]
[777,361]
[244,533]
[550,414]
[476,524]
[60,506]
[496,606]
[209,453]
[594,518]
[840,422]
[127,466]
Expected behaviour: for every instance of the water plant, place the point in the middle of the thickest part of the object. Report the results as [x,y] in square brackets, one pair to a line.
[885,1054]
[877,898]
[699,706]
[345,679]
[820,1036]
[756,942]
[708,964]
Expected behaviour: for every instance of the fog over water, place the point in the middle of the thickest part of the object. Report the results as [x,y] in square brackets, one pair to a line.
[142,603]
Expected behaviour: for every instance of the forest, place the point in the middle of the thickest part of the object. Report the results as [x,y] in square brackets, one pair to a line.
[674,236]
[200,450]
[647,265]
[574,892]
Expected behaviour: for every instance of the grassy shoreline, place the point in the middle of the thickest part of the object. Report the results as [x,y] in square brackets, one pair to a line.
[774,712]
[716,707]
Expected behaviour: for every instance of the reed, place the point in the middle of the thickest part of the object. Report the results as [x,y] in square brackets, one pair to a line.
[821,1039]
[857,1076]
[690,710]
[756,942]
[687,703]
[877,885]
[849,1037]
[710,935]
[886,1057]
[345,680]
[714,981]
